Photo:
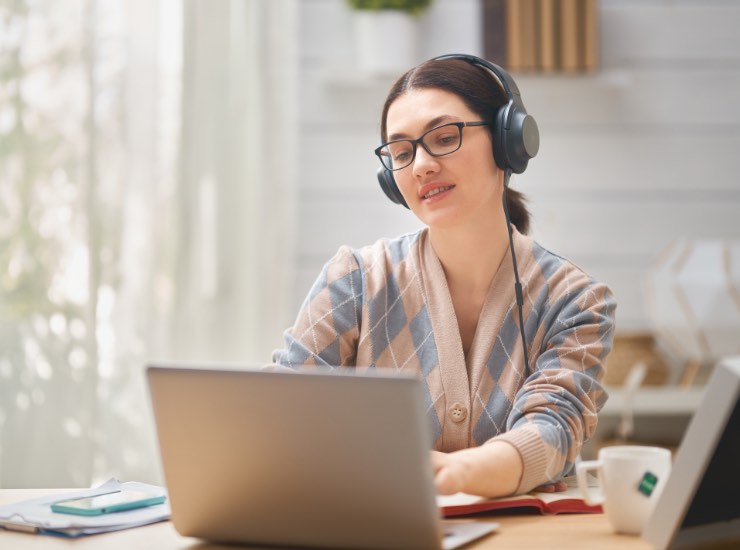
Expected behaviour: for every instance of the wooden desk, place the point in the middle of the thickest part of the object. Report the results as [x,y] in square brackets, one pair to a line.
[566,532]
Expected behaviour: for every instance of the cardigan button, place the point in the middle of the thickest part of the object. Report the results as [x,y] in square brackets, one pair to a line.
[457,412]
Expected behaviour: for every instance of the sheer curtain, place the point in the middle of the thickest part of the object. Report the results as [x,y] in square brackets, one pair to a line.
[237,168]
[145,215]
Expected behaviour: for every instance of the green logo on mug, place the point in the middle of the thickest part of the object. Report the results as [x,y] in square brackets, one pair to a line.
[647,485]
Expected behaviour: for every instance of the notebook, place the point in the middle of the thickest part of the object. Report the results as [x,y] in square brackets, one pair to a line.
[308,459]
[699,506]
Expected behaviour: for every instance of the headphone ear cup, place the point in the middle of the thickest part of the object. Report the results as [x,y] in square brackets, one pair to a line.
[500,137]
[522,140]
[389,187]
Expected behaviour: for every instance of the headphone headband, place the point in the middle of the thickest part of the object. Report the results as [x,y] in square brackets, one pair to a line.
[507,82]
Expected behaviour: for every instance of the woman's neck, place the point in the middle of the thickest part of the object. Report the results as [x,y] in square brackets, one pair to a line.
[471,254]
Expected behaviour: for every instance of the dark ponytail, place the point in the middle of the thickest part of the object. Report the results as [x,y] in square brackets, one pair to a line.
[516,202]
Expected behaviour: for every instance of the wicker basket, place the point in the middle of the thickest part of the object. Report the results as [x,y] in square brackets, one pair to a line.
[633,348]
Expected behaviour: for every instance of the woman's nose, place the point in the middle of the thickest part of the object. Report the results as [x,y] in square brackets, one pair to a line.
[424,163]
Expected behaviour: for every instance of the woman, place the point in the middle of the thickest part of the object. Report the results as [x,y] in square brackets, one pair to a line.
[507,416]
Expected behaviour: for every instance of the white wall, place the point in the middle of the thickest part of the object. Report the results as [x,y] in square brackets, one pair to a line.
[643,152]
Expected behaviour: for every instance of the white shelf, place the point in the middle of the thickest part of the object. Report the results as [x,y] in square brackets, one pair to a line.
[658,401]
[350,77]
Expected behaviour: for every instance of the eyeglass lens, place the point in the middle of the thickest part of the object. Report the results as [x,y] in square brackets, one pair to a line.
[439,141]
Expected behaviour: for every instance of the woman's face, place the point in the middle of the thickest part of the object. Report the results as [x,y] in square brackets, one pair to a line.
[450,190]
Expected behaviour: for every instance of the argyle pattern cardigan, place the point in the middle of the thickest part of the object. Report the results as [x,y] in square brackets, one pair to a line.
[388,306]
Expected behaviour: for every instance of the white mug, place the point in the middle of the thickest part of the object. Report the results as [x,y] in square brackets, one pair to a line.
[631,478]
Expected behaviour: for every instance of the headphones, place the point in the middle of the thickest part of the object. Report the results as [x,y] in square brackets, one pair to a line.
[516,138]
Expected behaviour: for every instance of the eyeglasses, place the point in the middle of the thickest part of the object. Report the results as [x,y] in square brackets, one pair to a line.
[438,142]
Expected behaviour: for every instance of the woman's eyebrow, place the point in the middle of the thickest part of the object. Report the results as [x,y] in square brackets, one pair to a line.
[436,121]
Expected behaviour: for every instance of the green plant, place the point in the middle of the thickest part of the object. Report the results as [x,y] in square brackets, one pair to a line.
[413,7]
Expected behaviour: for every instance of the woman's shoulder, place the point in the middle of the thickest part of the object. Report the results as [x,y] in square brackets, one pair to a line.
[377,263]
[386,251]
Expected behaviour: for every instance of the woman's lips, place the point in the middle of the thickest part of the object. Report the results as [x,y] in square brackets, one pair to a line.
[434,190]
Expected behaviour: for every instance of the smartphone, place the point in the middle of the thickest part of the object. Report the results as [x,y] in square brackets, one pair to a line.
[107,503]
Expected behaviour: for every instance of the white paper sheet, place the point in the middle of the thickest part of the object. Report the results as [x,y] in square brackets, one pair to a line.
[36,516]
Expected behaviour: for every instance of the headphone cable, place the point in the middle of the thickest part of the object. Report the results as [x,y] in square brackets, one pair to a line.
[517,283]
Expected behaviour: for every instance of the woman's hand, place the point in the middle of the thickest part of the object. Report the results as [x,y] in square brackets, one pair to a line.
[555,487]
[492,470]
[450,473]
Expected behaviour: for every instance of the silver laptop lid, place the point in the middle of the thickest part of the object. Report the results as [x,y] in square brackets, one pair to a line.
[309,459]
[698,507]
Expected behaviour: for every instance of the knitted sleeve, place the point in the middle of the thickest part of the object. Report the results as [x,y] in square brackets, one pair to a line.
[326,330]
[555,411]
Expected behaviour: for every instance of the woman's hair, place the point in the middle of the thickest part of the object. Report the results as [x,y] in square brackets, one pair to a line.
[480,92]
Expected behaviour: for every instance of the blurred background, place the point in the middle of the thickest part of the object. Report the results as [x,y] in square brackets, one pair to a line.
[173,175]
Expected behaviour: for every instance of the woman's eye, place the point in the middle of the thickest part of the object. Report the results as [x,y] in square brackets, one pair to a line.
[446,140]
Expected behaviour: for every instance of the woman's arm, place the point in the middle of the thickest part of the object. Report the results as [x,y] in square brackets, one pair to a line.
[327,327]
[555,411]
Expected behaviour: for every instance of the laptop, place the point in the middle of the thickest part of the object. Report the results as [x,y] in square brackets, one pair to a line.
[699,506]
[307,459]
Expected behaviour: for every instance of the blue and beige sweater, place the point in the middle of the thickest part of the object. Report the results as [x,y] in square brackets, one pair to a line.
[388,306]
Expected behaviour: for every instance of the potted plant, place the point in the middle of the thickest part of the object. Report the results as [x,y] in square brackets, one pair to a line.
[387,33]
[412,7]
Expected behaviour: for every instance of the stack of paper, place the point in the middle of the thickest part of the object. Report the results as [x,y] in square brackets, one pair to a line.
[36,515]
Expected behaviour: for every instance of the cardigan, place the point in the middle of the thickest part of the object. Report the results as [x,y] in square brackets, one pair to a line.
[388,306]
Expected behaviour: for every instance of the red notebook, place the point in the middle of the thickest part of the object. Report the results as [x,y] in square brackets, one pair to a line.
[566,502]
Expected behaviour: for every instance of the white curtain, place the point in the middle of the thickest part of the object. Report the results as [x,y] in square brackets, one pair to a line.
[238,169]
[146,152]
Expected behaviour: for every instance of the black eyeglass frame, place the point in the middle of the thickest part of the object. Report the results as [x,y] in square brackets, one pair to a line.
[420,141]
